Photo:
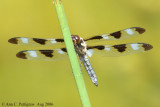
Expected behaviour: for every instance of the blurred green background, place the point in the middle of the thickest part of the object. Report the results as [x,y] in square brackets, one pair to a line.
[127,81]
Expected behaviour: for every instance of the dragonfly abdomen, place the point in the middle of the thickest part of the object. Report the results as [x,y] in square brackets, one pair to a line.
[89,69]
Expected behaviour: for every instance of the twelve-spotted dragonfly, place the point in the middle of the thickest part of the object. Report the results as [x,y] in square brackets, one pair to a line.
[82,49]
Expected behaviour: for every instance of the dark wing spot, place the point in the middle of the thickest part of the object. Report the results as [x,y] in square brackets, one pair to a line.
[95,37]
[64,49]
[40,41]
[60,40]
[13,40]
[21,55]
[117,34]
[147,46]
[120,48]
[47,53]
[100,47]
[140,30]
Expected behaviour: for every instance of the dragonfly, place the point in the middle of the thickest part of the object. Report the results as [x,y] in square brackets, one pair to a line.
[83,50]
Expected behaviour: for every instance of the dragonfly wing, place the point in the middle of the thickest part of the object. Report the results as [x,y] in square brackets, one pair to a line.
[122,34]
[48,55]
[35,41]
[119,50]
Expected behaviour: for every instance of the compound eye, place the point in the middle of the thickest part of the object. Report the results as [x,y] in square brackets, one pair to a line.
[76,37]
[73,38]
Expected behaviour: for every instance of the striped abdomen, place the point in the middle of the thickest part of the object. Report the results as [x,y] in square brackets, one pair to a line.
[89,69]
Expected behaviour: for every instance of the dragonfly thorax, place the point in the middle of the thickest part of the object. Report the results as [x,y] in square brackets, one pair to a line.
[79,44]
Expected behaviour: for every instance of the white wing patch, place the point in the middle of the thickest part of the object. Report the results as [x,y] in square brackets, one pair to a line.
[129,31]
[107,49]
[61,52]
[105,36]
[90,52]
[24,40]
[32,53]
[135,46]
[53,41]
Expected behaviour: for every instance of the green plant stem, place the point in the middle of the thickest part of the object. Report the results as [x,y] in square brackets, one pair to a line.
[71,53]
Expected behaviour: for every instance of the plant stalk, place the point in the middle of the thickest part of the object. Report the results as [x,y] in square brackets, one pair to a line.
[71,53]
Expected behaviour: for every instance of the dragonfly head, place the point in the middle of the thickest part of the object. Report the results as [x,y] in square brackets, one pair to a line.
[75,39]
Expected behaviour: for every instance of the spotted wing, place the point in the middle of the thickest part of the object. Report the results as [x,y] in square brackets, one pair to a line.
[48,55]
[118,50]
[35,41]
[122,34]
